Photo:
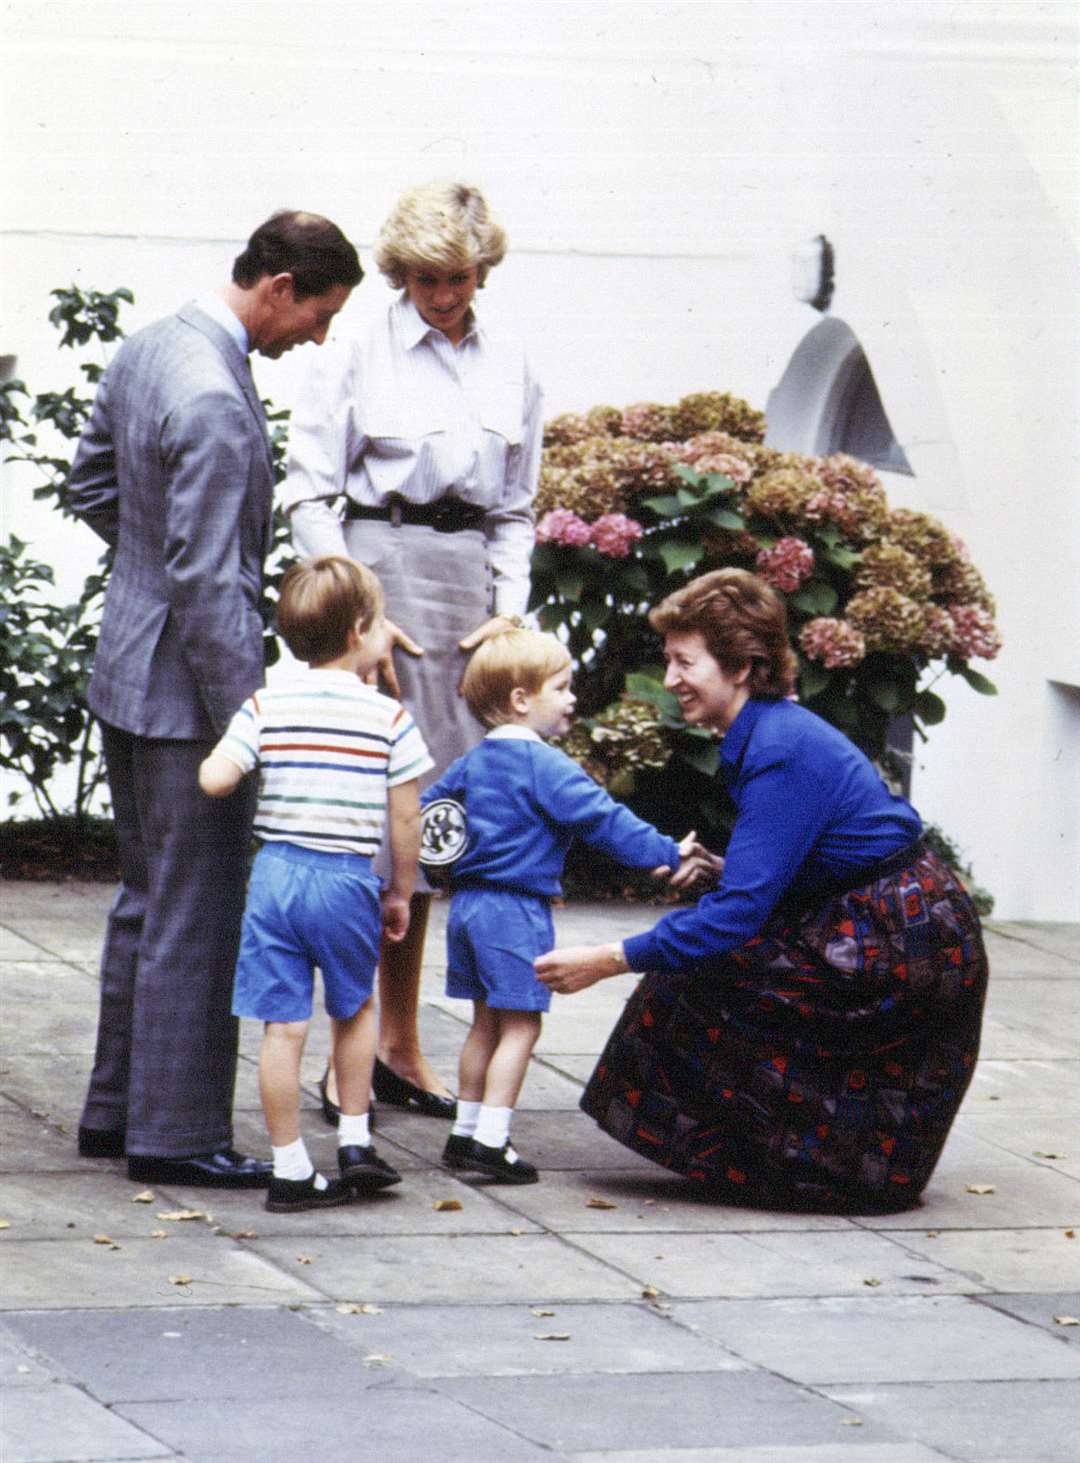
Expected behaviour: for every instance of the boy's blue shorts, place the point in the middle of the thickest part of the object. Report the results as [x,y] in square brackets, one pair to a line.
[492,938]
[306,908]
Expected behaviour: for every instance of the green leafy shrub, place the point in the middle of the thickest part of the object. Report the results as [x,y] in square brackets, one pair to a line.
[634,503]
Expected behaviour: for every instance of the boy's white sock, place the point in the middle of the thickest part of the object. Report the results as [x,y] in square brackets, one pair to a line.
[354,1129]
[493,1126]
[465,1121]
[292,1162]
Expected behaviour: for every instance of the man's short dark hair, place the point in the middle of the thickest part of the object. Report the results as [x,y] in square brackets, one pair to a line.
[309,247]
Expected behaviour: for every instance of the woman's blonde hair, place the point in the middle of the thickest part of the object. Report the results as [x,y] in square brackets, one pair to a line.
[742,621]
[439,226]
[320,602]
[525,658]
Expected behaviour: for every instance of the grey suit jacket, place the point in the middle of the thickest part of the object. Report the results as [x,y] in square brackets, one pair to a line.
[174,470]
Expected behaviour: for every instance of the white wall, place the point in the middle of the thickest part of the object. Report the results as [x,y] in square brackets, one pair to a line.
[654,164]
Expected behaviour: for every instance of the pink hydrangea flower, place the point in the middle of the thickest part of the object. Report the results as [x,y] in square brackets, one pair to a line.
[563,526]
[834,643]
[974,632]
[614,533]
[787,564]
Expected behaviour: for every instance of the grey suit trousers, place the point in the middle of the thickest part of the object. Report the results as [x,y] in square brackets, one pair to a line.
[165,1063]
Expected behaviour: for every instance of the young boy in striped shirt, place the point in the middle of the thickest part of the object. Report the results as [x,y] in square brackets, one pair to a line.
[338,761]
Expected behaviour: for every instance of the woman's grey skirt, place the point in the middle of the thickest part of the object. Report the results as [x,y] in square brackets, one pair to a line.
[438,589]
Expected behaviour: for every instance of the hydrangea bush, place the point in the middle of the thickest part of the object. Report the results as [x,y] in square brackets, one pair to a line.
[632,504]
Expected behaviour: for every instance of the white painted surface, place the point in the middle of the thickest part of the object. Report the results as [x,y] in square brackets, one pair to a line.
[655,165]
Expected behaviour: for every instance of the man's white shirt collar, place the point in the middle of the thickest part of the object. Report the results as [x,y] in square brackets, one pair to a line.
[216,308]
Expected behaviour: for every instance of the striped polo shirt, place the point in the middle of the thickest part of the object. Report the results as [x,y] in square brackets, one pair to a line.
[327,747]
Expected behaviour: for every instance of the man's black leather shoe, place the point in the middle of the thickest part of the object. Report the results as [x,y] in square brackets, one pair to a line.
[399,1092]
[225,1169]
[101,1142]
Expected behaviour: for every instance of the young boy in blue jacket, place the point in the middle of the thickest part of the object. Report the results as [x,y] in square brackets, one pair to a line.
[524,803]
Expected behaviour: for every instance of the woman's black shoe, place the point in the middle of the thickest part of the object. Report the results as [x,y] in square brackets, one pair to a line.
[330,1110]
[389,1087]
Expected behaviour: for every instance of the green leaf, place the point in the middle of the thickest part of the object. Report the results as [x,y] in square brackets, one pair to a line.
[977,682]
[667,506]
[815,597]
[703,757]
[813,679]
[839,556]
[646,688]
[930,709]
[726,518]
[677,554]
[570,581]
[884,693]
[595,613]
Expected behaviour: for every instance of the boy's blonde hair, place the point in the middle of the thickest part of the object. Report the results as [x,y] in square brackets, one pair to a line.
[319,603]
[525,658]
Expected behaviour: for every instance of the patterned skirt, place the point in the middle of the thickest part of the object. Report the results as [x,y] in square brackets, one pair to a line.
[820,1065]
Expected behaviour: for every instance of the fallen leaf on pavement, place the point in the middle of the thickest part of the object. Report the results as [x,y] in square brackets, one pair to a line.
[538,1312]
[179,1279]
[378,1358]
[442,1205]
[105,1239]
[872,1281]
[552,1336]
[179,1214]
[1039,1154]
[159,1234]
[650,1292]
[303,1259]
[5,1223]
[851,1422]
[600,1204]
[242,1234]
[146,1197]
[1067,1320]
[1070,1234]
[980,1188]
[355,1308]
[517,1232]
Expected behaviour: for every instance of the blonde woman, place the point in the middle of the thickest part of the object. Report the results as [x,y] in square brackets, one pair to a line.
[415,450]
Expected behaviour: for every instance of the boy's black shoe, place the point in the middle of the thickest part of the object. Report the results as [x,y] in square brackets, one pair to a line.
[502,1164]
[363,1170]
[458,1152]
[287,1196]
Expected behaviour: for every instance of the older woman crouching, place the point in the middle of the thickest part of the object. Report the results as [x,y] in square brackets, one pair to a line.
[808,1029]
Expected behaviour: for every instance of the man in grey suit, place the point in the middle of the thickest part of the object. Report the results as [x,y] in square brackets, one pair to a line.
[174,470]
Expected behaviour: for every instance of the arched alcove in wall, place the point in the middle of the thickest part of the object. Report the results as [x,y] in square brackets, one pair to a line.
[828,401]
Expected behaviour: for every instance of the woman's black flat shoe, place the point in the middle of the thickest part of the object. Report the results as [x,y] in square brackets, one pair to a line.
[389,1087]
[330,1110]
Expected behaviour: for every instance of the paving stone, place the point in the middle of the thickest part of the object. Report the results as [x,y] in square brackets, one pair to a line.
[1022,1086]
[571,1140]
[54,1086]
[979,1422]
[775,1264]
[842,1450]
[1024,1193]
[36,1143]
[18,1368]
[1040,1310]
[1018,1260]
[15,947]
[506,1340]
[1048,1138]
[1031,1018]
[64,1023]
[389,1423]
[164,1355]
[54,1274]
[407,1208]
[529,1267]
[834,1339]
[76,1429]
[649,1201]
[669,1410]
[578,1066]
[1015,948]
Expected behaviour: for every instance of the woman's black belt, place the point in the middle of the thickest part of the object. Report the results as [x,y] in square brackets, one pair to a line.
[795,904]
[445,515]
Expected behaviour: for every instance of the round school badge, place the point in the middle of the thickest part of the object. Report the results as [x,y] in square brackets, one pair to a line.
[443,833]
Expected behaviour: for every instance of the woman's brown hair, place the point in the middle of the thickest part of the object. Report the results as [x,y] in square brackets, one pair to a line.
[742,620]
